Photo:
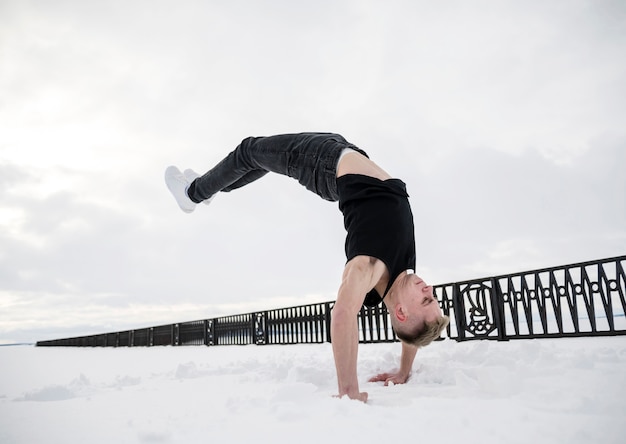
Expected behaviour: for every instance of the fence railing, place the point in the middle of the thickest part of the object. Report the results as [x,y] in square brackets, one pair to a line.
[583,299]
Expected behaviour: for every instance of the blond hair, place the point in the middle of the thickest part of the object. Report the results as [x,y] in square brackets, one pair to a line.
[424,336]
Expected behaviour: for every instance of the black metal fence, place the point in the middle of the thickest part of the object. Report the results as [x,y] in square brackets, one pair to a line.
[584,299]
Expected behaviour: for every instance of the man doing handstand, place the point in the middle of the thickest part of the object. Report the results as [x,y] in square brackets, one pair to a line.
[380,241]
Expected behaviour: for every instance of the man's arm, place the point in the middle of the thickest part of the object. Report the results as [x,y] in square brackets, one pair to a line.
[406,364]
[360,275]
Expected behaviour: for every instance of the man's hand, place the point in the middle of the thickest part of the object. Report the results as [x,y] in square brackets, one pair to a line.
[404,373]
[361,396]
[394,378]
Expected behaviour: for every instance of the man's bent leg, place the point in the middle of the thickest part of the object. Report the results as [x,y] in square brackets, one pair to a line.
[310,158]
[251,160]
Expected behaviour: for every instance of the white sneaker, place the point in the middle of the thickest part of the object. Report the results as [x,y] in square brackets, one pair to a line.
[191,175]
[178,185]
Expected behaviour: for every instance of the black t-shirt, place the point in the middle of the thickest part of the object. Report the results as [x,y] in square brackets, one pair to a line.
[379,221]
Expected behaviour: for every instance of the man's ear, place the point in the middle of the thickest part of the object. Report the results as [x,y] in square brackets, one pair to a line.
[400,313]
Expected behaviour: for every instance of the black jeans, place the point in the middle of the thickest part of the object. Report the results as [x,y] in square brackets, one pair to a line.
[311,158]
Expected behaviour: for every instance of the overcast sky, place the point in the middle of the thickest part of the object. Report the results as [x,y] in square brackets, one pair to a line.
[506,119]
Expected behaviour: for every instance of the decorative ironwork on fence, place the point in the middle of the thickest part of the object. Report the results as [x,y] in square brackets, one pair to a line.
[583,299]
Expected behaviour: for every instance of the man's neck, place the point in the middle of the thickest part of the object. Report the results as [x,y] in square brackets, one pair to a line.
[381,286]
[392,295]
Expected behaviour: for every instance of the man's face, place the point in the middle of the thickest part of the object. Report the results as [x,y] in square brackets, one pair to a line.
[419,299]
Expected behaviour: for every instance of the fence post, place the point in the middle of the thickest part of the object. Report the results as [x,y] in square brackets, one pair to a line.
[259,333]
[214,331]
[497,307]
[265,332]
[459,311]
[327,316]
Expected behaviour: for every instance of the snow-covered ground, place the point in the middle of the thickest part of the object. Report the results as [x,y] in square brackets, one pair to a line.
[540,391]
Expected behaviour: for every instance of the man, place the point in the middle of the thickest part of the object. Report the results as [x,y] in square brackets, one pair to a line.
[380,243]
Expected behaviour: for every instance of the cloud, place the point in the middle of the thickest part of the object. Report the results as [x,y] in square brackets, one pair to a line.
[489,204]
[504,120]
[74,258]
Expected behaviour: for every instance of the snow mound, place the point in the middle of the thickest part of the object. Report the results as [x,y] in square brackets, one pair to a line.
[543,391]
